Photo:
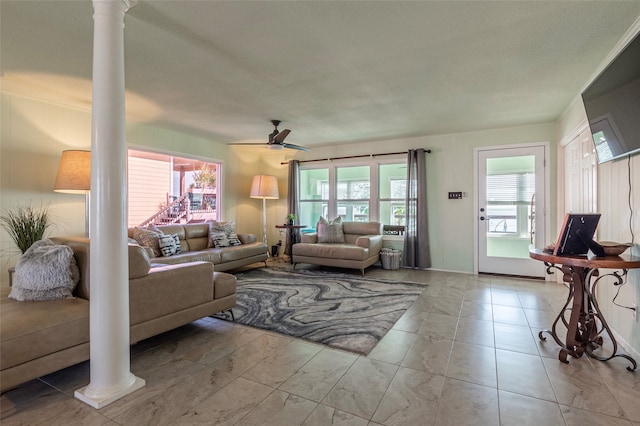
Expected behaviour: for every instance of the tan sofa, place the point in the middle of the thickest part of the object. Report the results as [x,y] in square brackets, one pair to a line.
[361,249]
[38,338]
[194,239]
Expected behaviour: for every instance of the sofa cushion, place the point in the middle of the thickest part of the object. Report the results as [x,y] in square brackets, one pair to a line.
[333,251]
[362,228]
[207,255]
[229,254]
[168,289]
[330,232]
[30,330]
[46,271]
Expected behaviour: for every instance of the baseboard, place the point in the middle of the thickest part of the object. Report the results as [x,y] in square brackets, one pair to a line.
[632,352]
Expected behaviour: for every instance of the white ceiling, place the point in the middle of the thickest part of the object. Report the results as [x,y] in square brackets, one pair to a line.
[333,71]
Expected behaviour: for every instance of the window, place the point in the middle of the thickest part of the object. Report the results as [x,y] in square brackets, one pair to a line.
[165,189]
[353,193]
[393,191]
[367,191]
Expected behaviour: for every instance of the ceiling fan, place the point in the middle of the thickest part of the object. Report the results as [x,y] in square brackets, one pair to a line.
[277,137]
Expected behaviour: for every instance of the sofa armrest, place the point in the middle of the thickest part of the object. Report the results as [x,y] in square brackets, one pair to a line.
[247,238]
[372,242]
[309,237]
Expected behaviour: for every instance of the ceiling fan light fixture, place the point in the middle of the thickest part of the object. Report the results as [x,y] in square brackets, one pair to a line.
[276,146]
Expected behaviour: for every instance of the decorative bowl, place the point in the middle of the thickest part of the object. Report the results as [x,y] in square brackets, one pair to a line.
[612,248]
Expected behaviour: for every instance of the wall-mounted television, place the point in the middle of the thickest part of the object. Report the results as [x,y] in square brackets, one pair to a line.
[612,103]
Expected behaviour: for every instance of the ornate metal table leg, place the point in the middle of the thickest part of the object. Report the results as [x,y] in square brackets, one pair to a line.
[595,333]
[560,318]
[575,329]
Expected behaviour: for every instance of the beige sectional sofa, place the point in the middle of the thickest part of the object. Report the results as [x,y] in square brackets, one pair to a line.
[361,247]
[194,240]
[38,338]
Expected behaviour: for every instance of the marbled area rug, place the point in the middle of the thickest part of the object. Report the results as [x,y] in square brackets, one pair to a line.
[339,310]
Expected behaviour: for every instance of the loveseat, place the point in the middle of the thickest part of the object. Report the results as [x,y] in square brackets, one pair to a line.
[195,246]
[360,248]
[40,337]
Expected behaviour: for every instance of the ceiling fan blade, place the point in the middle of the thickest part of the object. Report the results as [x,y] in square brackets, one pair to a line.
[292,146]
[279,138]
[272,136]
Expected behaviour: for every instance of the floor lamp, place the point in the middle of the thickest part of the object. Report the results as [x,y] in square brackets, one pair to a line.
[265,187]
[74,177]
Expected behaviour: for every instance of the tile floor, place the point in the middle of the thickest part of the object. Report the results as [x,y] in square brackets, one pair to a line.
[465,353]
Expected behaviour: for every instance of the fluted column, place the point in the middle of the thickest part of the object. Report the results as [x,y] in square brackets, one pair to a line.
[111,377]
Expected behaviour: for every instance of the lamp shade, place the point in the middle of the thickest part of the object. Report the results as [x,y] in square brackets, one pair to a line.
[265,187]
[74,172]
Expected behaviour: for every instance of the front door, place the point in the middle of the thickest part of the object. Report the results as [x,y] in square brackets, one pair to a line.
[510,210]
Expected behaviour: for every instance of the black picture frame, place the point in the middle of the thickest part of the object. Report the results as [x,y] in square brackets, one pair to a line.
[576,234]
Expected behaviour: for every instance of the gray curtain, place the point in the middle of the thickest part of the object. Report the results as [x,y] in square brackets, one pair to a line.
[292,199]
[416,241]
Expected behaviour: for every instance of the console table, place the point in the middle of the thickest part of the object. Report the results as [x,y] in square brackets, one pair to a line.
[586,324]
[292,231]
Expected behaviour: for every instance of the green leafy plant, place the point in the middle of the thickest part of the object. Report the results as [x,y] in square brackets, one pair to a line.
[26,224]
[291,217]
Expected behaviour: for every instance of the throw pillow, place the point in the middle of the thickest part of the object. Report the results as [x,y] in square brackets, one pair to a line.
[226,228]
[169,244]
[330,232]
[46,271]
[147,238]
[219,239]
[152,227]
[233,239]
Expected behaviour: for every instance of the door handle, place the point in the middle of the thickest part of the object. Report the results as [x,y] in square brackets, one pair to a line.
[481,217]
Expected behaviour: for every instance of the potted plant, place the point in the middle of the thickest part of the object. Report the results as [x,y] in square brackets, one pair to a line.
[25,224]
[291,218]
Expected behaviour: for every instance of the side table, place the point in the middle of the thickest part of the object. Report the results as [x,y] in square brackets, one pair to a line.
[586,325]
[292,232]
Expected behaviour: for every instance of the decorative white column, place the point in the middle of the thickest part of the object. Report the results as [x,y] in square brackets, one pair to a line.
[111,377]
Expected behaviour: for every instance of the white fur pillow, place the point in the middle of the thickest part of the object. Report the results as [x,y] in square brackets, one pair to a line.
[46,271]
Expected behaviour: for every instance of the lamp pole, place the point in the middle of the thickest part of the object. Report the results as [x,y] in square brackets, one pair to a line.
[264,222]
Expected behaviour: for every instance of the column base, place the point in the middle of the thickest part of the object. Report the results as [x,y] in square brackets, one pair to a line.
[104,401]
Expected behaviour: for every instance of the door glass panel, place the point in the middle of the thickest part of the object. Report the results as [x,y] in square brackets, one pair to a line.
[510,188]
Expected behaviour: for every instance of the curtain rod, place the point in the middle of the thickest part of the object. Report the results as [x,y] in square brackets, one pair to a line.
[428,151]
